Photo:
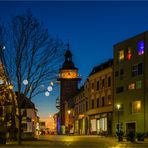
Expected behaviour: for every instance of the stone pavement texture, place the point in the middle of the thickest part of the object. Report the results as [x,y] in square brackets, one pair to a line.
[77,142]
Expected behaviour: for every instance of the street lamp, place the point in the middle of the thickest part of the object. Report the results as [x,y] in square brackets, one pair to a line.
[118,109]
[69,111]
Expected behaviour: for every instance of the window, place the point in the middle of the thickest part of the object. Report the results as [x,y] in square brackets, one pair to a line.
[109,99]
[103,83]
[83,107]
[97,85]
[137,69]
[141,47]
[121,55]
[136,106]
[109,81]
[129,53]
[138,84]
[97,102]
[86,105]
[131,86]
[119,89]
[103,101]
[116,73]
[92,85]
[93,104]
[140,68]
[121,71]
[134,70]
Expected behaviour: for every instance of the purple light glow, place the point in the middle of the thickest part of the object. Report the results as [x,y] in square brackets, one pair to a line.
[141,47]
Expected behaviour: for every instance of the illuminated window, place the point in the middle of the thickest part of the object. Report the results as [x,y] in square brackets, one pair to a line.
[131,86]
[129,54]
[138,84]
[141,47]
[121,55]
[136,106]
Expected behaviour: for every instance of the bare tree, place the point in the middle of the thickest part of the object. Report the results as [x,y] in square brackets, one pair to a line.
[29,53]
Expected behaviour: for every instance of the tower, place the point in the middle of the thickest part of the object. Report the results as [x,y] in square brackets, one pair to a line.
[68,84]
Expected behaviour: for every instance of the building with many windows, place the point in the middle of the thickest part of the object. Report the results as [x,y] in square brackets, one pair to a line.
[131,85]
[93,103]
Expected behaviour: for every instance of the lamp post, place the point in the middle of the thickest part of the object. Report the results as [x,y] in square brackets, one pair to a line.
[118,109]
[69,111]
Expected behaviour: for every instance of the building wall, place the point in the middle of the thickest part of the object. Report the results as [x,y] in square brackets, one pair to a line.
[91,113]
[100,101]
[130,84]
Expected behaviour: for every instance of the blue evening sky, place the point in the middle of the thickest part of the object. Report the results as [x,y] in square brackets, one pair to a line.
[92,28]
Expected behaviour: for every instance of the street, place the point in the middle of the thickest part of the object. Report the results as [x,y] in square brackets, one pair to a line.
[56,141]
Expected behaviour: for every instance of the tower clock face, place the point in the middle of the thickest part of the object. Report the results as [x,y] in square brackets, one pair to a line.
[68,74]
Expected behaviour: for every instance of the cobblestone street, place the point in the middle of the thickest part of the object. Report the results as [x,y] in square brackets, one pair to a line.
[76,142]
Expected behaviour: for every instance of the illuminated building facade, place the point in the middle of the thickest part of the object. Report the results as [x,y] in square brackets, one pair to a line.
[131,84]
[93,103]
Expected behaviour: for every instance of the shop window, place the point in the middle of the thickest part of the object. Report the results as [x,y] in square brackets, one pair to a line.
[136,106]
[141,47]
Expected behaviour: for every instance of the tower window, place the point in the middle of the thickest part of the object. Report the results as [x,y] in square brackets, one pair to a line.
[141,47]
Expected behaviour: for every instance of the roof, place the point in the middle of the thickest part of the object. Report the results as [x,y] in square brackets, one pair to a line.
[101,67]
